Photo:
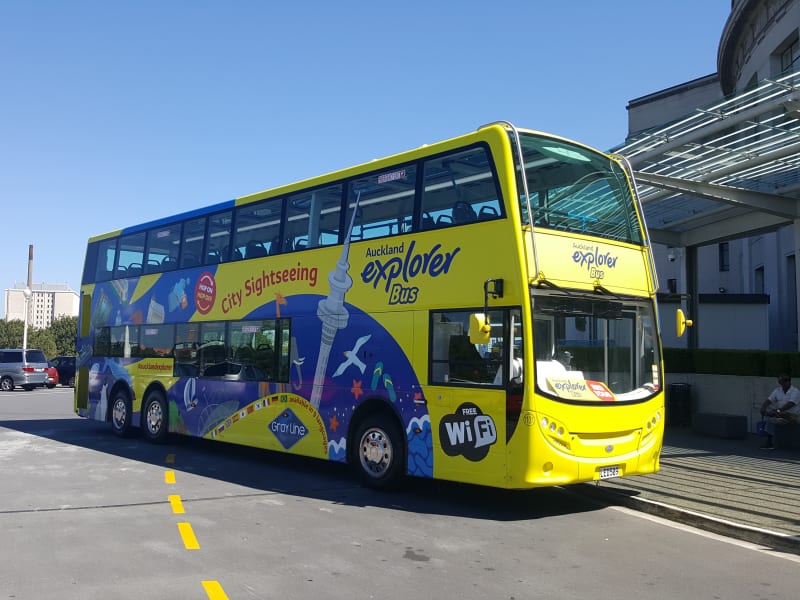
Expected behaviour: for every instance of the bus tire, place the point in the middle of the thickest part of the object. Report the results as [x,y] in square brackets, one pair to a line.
[155,418]
[121,415]
[379,452]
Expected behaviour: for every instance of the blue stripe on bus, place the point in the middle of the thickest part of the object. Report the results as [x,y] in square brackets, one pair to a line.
[207,210]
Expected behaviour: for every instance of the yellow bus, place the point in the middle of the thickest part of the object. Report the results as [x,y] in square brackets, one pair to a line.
[480,310]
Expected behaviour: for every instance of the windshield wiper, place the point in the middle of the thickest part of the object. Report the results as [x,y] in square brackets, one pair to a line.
[544,283]
[599,289]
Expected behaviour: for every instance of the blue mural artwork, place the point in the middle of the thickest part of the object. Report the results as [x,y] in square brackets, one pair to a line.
[363,361]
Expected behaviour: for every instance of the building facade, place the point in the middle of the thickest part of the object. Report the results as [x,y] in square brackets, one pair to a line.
[48,301]
[760,42]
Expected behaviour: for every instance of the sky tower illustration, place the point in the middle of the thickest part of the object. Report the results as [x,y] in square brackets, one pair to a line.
[331,310]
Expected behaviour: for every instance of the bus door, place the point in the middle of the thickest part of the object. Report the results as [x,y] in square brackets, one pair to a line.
[474,382]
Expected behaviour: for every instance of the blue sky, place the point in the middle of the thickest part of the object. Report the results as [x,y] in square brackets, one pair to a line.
[114,113]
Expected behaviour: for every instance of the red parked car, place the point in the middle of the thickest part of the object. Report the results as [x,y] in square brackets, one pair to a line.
[52,376]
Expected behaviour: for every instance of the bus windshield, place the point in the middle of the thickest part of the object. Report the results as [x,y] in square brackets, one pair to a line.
[574,189]
[591,348]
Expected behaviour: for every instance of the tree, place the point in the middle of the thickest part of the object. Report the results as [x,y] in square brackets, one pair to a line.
[42,339]
[64,330]
[11,333]
[56,340]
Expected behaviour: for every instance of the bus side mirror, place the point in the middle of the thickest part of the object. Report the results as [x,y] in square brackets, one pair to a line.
[681,322]
[478,329]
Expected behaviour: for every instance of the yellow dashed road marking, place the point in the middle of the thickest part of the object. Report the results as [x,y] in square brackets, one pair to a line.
[214,590]
[187,533]
[177,505]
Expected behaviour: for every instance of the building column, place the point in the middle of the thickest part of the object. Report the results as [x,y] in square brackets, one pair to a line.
[796,246]
[693,304]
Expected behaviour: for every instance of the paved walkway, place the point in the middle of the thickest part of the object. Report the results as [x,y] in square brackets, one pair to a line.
[730,487]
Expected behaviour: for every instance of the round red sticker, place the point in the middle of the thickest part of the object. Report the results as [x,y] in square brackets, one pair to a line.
[205,292]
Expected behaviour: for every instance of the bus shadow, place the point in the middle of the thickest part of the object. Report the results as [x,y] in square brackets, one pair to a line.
[267,472]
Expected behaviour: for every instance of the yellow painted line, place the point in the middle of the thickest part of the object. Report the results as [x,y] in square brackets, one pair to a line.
[177,505]
[169,476]
[189,540]
[214,590]
[170,459]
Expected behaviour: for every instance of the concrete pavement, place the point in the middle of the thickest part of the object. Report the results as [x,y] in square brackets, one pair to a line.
[730,487]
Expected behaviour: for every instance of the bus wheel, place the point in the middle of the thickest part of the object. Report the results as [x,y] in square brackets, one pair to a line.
[155,416]
[121,413]
[379,455]
[7,384]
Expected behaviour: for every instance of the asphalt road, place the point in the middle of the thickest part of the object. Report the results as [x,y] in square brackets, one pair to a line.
[85,515]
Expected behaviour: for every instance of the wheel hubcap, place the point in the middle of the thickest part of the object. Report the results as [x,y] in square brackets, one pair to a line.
[376,452]
[154,417]
[120,414]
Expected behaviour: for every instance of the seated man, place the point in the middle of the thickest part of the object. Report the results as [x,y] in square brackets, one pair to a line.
[782,406]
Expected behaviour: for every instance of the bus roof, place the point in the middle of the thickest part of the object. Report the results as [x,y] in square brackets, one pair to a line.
[484,133]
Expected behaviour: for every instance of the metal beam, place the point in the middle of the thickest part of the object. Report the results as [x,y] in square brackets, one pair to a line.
[735,227]
[770,203]
[664,141]
[734,169]
[663,236]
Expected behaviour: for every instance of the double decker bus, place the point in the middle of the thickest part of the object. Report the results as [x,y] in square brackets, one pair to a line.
[479,310]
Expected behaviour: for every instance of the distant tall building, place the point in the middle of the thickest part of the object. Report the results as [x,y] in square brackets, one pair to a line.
[48,301]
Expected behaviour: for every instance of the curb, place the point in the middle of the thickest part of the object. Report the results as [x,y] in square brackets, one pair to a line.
[774,540]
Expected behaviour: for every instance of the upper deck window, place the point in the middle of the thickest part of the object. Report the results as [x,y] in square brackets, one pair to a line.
[258,229]
[218,243]
[313,218]
[194,237]
[163,244]
[577,190]
[130,257]
[459,188]
[385,203]
[106,251]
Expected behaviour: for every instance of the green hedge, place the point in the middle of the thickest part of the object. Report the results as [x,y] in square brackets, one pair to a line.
[759,363]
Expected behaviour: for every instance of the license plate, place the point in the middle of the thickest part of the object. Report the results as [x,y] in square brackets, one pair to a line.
[608,472]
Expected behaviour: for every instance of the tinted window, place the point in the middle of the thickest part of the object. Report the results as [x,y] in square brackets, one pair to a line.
[162,248]
[35,356]
[157,340]
[106,253]
[258,228]
[194,235]
[11,356]
[219,238]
